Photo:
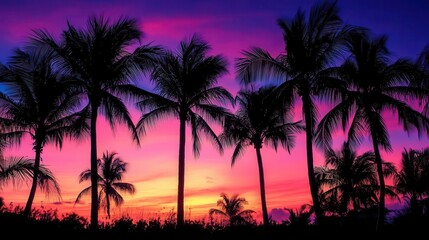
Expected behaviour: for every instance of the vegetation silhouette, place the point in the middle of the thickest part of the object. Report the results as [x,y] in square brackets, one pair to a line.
[37,100]
[233,209]
[98,56]
[185,87]
[110,172]
[348,181]
[260,119]
[312,44]
[374,85]
[50,90]
[412,181]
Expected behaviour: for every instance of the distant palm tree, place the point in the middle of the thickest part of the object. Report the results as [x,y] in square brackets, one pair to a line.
[260,119]
[301,216]
[99,58]
[185,88]
[349,179]
[311,46]
[232,208]
[110,172]
[39,101]
[412,181]
[374,85]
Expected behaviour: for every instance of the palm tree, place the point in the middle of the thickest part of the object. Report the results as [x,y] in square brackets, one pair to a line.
[311,45]
[300,217]
[260,119]
[412,181]
[99,58]
[232,208]
[37,100]
[110,172]
[374,85]
[185,88]
[350,179]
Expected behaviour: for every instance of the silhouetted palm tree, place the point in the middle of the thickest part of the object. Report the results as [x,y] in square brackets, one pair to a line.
[185,88]
[99,57]
[374,86]
[412,181]
[311,45]
[232,208]
[37,100]
[301,216]
[260,118]
[350,179]
[110,172]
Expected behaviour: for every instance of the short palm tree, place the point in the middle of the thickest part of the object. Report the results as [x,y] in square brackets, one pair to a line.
[350,180]
[38,100]
[110,172]
[260,119]
[99,58]
[311,46]
[300,216]
[412,181]
[375,85]
[185,87]
[233,209]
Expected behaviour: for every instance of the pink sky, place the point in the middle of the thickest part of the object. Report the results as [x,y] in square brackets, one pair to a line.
[229,27]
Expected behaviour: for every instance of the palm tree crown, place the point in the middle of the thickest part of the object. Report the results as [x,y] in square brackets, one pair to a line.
[232,208]
[185,87]
[110,172]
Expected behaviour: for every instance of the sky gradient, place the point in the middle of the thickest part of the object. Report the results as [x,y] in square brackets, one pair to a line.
[229,26]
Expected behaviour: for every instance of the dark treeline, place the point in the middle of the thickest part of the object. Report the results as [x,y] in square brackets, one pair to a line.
[57,87]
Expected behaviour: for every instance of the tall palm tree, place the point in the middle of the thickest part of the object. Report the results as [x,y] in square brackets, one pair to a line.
[185,87]
[311,45]
[232,208]
[260,119]
[37,100]
[412,181]
[110,172]
[351,179]
[375,85]
[98,56]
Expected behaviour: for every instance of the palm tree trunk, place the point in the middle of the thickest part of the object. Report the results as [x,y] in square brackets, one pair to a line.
[262,186]
[310,166]
[27,209]
[181,182]
[94,170]
[381,206]
[108,205]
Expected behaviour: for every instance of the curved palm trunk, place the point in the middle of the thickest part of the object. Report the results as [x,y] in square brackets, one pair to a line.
[310,165]
[181,182]
[28,205]
[262,186]
[94,173]
[381,206]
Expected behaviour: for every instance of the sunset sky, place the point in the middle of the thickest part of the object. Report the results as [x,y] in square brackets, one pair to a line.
[229,26]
